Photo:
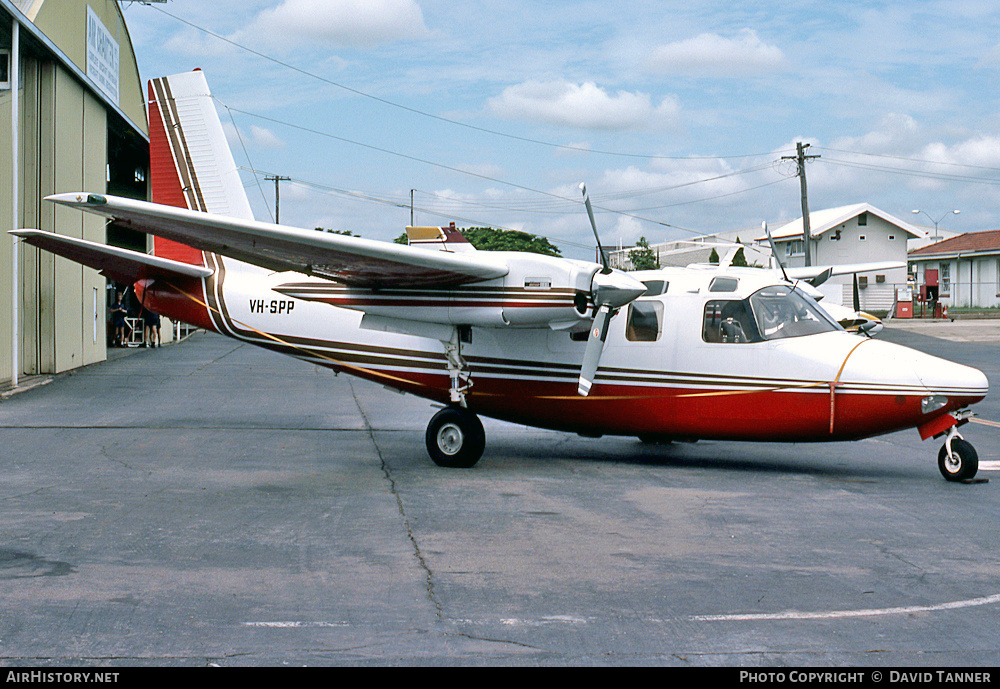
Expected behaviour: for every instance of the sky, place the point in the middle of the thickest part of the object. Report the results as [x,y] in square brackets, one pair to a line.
[678,117]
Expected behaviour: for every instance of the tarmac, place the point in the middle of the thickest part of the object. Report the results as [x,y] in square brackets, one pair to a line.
[209,503]
[972,330]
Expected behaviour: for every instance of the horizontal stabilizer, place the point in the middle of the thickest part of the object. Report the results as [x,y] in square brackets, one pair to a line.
[121,265]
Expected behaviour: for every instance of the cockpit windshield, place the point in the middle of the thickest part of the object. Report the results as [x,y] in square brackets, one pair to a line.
[781,311]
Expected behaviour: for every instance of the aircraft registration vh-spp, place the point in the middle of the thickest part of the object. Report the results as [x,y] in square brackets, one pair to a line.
[673,354]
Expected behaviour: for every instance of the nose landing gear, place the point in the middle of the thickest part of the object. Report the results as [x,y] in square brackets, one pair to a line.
[957,460]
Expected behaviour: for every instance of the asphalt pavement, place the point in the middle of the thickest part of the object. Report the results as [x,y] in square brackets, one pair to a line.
[208,503]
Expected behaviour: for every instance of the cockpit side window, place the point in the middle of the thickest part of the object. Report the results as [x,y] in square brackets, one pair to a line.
[784,312]
[729,321]
[645,321]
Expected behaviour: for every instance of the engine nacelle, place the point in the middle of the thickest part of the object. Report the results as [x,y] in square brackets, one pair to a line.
[539,291]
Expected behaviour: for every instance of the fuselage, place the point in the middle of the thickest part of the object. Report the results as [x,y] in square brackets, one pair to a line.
[675,365]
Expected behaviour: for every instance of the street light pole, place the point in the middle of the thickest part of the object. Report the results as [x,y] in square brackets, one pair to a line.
[936,235]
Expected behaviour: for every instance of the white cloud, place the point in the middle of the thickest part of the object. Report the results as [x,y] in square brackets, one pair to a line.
[258,137]
[981,150]
[901,135]
[626,232]
[717,56]
[356,23]
[895,133]
[584,105]
[265,137]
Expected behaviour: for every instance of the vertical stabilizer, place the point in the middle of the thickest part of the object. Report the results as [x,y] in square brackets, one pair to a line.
[190,163]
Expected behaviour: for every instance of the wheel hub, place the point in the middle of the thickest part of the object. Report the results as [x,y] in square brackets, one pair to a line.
[450,439]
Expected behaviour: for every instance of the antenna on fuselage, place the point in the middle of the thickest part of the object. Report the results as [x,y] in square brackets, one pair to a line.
[774,250]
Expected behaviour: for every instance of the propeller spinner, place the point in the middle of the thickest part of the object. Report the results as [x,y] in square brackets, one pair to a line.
[610,290]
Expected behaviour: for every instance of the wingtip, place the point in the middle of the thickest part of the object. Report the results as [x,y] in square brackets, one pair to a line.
[78,198]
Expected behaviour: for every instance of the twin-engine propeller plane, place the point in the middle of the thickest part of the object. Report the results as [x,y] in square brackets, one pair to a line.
[671,354]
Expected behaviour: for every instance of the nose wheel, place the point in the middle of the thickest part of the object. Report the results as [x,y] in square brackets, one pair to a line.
[958,460]
[455,438]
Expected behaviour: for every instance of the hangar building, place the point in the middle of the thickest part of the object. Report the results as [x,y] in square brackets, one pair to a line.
[72,118]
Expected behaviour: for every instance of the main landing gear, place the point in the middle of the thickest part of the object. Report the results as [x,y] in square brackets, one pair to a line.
[455,438]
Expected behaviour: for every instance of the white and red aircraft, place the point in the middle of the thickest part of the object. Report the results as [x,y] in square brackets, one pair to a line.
[679,353]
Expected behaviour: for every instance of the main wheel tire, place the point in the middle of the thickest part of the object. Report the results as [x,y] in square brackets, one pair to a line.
[962,465]
[455,438]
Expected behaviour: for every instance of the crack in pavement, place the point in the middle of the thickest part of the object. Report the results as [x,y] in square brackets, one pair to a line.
[421,560]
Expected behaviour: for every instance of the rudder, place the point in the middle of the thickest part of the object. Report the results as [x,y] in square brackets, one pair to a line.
[191,165]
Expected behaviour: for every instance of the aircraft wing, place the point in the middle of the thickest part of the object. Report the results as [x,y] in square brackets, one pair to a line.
[353,261]
[817,275]
[119,264]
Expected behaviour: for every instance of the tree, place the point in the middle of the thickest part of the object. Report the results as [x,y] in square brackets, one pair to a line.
[346,233]
[642,257]
[740,260]
[713,257]
[491,239]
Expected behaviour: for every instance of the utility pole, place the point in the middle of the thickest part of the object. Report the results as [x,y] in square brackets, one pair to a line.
[277,203]
[801,158]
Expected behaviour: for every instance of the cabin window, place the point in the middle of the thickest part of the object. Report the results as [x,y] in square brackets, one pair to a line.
[655,288]
[729,321]
[723,285]
[645,321]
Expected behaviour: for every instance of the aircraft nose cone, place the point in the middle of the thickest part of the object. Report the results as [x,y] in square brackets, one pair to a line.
[948,378]
[894,365]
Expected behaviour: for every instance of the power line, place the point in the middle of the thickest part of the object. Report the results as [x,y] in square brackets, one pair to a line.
[439,118]
[911,160]
[574,202]
[913,173]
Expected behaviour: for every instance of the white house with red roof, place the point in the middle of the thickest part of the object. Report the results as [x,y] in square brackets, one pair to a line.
[859,233]
[968,269]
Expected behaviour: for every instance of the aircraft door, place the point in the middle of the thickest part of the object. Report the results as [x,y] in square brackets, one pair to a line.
[639,334]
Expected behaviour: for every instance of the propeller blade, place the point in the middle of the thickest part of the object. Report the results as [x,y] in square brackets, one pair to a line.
[610,290]
[593,225]
[595,347]
[774,250]
[857,297]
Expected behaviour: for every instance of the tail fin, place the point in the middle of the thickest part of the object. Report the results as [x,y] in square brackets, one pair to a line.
[442,238]
[190,163]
